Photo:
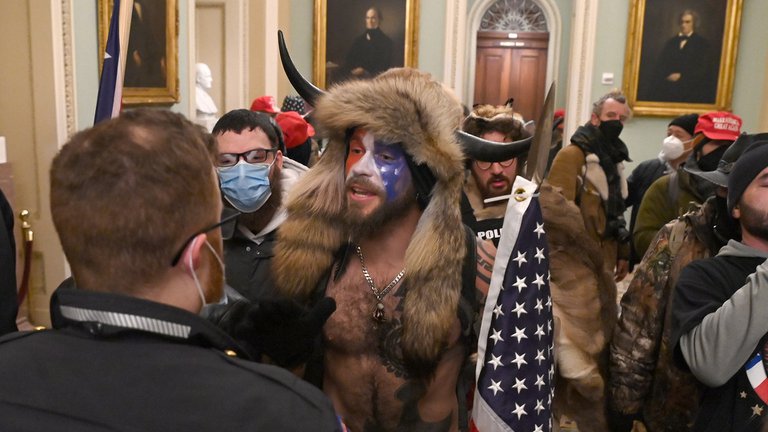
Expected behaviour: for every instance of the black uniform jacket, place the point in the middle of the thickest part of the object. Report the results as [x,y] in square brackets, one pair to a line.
[121,363]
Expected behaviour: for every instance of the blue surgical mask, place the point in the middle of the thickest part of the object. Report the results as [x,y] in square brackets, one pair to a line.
[245,186]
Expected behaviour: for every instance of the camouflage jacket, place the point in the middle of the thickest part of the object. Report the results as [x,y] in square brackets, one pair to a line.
[643,381]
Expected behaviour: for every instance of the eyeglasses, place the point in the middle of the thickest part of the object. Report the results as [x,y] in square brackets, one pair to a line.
[251,156]
[226,219]
[485,166]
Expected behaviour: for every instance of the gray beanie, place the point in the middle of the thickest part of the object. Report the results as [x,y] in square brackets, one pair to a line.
[747,167]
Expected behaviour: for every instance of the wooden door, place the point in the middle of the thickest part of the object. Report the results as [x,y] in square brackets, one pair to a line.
[512,65]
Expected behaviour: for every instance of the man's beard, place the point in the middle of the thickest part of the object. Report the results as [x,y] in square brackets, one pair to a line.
[754,220]
[256,221]
[360,225]
[491,192]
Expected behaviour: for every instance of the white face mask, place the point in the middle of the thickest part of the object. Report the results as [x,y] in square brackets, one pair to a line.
[194,274]
[671,148]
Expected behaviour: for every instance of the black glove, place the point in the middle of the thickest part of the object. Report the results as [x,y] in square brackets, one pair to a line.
[284,330]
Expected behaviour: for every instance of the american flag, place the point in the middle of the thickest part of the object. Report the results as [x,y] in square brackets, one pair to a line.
[110,95]
[515,370]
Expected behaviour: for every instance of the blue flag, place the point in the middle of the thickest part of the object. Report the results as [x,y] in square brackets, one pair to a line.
[111,83]
[515,370]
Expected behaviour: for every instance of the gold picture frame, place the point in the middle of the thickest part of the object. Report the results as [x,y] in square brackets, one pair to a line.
[151,77]
[669,73]
[347,20]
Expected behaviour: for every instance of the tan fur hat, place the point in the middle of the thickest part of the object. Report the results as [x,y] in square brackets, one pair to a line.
[489,118]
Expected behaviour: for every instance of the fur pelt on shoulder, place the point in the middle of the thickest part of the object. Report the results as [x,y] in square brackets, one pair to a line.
[399,106]
[595,175]
[585,311]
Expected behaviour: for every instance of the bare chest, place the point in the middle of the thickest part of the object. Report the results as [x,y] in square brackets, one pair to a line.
[364,373]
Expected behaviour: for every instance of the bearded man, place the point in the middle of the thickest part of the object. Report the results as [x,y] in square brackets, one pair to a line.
[489,182]
[376,225]
[718,317]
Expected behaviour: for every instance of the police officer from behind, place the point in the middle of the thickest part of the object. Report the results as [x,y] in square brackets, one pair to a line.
[137,208]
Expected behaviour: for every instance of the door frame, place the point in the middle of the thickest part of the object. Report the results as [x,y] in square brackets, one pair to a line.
[554,26]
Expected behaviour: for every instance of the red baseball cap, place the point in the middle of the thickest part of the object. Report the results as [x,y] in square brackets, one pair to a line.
[296,130]
[719,125]
[265,104]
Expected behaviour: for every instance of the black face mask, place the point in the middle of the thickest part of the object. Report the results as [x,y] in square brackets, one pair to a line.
[611,129]
[710,161]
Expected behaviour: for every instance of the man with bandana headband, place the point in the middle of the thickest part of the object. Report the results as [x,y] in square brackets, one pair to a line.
[590,173]
[254,175]
[671,195]
[376,225]
[644,384]
[137,208]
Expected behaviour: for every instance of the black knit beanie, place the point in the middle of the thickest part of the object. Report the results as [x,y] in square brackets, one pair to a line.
[750,164]
[687,122]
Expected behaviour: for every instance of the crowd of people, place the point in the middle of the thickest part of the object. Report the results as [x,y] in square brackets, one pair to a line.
[268,276]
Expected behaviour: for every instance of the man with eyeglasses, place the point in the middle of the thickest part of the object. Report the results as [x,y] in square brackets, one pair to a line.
[254,177]
[136,205]
[490,183]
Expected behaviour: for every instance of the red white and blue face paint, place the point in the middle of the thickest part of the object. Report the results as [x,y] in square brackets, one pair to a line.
[382,165]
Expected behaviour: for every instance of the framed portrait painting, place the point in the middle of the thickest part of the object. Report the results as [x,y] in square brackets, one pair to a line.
[151,65]
[358,40]
[681,55]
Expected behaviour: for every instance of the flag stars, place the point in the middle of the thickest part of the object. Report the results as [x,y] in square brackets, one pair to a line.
[520,259]
[539,230]
[539,281]
[497,311]
[539,255]
[496,336]
[540,356]
[539,406]
[519,309]
[519,410]
[519,385]
[539,306]
[495,362]
[519,360]
[757,410]
[743,395]
[539,331]
[548,304]
[539,381]
[519,334]
[496,387]
[520,284]
[538,428]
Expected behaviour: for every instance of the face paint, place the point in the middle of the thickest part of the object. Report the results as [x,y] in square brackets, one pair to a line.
[383,164]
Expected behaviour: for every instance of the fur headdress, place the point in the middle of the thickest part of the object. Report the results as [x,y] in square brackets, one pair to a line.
[399,106]
[489,118]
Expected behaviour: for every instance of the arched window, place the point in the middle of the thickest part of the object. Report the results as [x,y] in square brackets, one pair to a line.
[514,15]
